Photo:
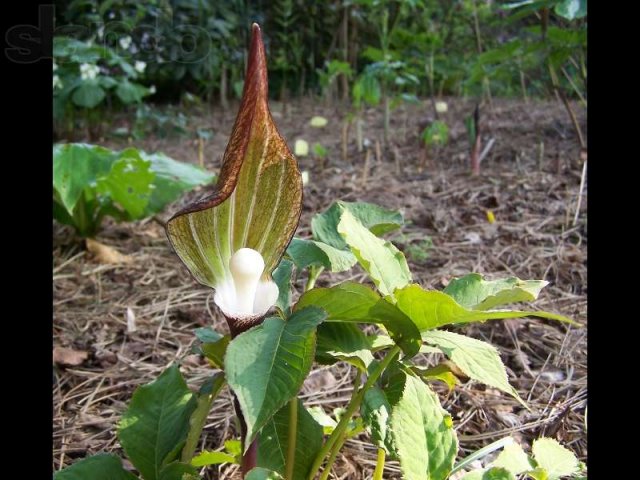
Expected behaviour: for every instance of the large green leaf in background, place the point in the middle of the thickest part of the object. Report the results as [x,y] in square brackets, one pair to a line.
[75,167]
[260,473]
[274,438]
[345,342]
[494,473]
[376,414]
[471,291]
[128,184]
[156,423]
[385,264]
[424,438]
[478,360]
[514,459]
[282,276]
[266,365]
[98,467]
[431,309]
[88,94]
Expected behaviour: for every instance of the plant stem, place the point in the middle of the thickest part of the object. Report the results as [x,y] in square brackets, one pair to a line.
[314,273]
[377,474]
[353,405]
[291,447]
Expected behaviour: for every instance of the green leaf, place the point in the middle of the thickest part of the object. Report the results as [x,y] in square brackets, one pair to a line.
[75,167]
[343,342]
[156,422]
[178,471]
[571,9]
[346,302]
[257,201]
[259,473]
[384,263]
[490,474]
[98,467]
[440,372]
[215,351]
[129,92]
[538,474]
[282,277]
[172,179]
[513,459]
[319,415]
[207,335]
[472,292]
[267,365]
[402,329]
[274,438]
[557,460]
[308,252]
[477,359]
[212,458]
[128,184]
[234,447]
[376,414]
[423,431]
[432,309]
[377,219]
[208,392]
[88,95]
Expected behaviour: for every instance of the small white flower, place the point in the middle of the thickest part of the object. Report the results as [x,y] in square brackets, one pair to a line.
[101,32]
[88,71]
[441,107]
[57,83]
[125,42]
[140,66]
[152,89]
[55,66]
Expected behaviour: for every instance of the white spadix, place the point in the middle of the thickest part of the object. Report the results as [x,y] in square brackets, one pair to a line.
[246,266]
[246,295]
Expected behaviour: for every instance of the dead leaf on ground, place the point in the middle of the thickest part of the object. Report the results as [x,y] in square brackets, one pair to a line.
[105,254]
[69,357]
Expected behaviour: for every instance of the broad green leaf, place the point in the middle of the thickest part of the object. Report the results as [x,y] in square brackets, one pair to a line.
[431,309]
[178,471]
[345,342]
[513,459]
[538,474]
[384,263]
[376,414]
[477,359]
[172,179]
[212,458]
[571,9]
[308,252]
[129,92]
[98,467]
[472,292]
[207,335]
[128,184]
[282,277]
[401,328]
[215,351]
[259,473]
[425,441]
[377,219]
[319,415]
[234,447]
[442,372]
[88,95]
[266,365]
[258,198]
[208,392]
[156,422]
[274,438]
[346,302]
[76,166]
[557,460]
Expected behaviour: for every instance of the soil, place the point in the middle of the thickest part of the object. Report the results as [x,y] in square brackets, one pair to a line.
[530,181]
